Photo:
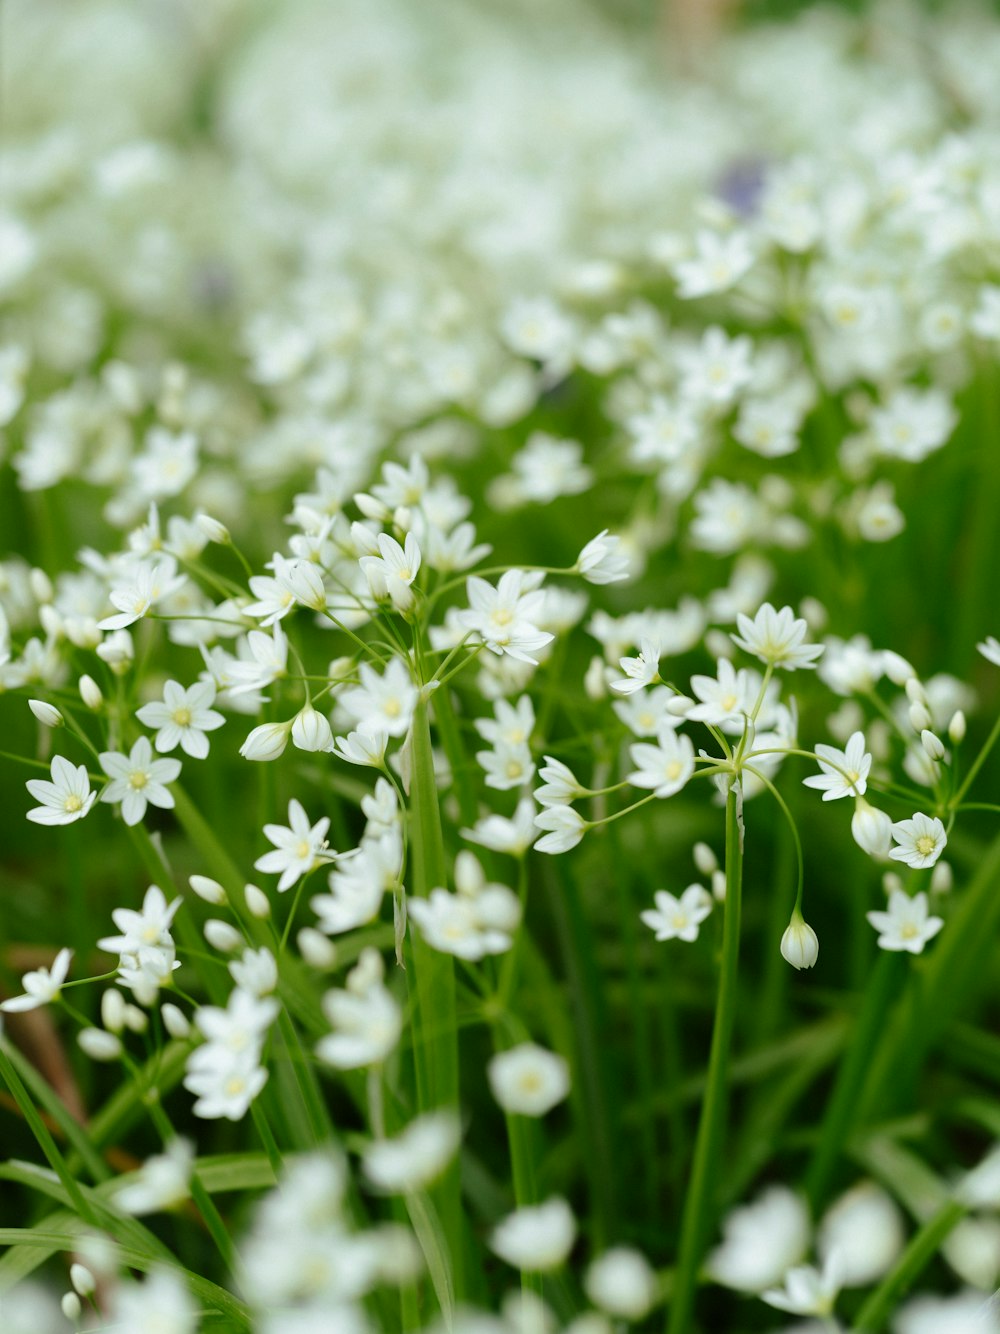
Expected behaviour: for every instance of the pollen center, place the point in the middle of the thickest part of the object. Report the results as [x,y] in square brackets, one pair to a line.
[925,845]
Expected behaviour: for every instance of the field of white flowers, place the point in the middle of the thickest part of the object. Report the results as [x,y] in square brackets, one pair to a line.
[499,576]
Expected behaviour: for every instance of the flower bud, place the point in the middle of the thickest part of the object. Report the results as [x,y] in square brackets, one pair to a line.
[897,669]
[40,585]
[206,888]
[365,541]
[136,1020]
[99,1045]
[213,529]
[82,1279]
[942,878]
[892,883]
[594,681]
[258,904]
[90,693]
[799,944]
[47,714]
[51,622]
[71,1307]
[371,507]
[719,885]
[915,692]
[402,517]
[956,728]
[719,644]
[175,1021]
[266,742]
[113,1010]
[932,744]
[705,859]
[919,716]
[118,651]
[311,730]
[871,829]
[222,935]
[317,950]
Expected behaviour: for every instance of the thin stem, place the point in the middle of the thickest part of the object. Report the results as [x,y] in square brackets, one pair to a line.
[698,1201]
[977,763]
[923,1247]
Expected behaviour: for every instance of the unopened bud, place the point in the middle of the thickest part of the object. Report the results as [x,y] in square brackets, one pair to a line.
[82,1279]
[206,888]
[113,1010]
[311,730]
[942,879]
[892,883]
[222,936]
[920,719]
[372,508]
[705,859]
[956,728]
[47,714]
[52,623]
[799,944]
[40,585]
[71,1307]
[317,950]
[932,744]
[719,644]
[402,517]
[871,829]
[897,669]
[719,886]
[175,1021]
[595,682]
[266,742]
[258,904]
[213,529]
[915,692]
[90,693]
[99,1045]
[136,1020]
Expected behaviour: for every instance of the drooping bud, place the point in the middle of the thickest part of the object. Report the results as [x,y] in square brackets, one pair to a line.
[799,944]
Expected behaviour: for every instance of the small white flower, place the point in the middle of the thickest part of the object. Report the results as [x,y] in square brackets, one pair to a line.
[382,703]
[564,828]
[600,561]
[845,772]
[365,748]
[776,638]
[665,767]
[298,847]
[871,829]
[561,785]
[163,1181]
[641,671]
[761,1241]
[906,926]
[499,833]
[528,1080]
[921,840]
[42,985]
[365,1018]
[536,1237]
[183,717]
[137,780]
[622,1282]
[990,649]
[505,617]
[67,798]
[807,1291]
[266,742]
[678,919]
[391,573]
[416,1156]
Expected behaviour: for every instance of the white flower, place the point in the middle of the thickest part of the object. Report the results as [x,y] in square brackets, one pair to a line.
[641,671]
[506,767]
[564,828]
[502,834]
[298,847]
[528,1080]
[256,972]
[622,1282]
[163,1181]
[807,1291]
[42,985]
[468,925]
[678,919]
[67,798]
[148,928]
[865,1228]
[536,1237]
[241,1026]
[913,423]
[720,263]
[600,562]
[990,649]
[365,748]
[845,772]
[776,638]
[382,703]
[266,742]
[138,779]
[726,698]
[761,1241]
[183,717]
[159,1305]
[906,926]
[505,616]
[921,840]
[225,1082]
[561,785]
[366,1019]
[799,944]
[311,730]
[665,767]
[151,583]
[391,573]
[717,369]
[416,1156]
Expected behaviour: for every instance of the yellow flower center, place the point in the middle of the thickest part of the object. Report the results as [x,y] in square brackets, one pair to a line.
[926,844]
[72,803]
[182,716]
[138,779]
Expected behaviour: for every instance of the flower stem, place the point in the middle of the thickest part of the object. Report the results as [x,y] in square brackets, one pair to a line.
[431,978]
[873,1315]
[710,1128]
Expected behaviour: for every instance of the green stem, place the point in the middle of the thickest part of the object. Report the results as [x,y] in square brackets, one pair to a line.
[924,1246]
[710,1128]
[431,978]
